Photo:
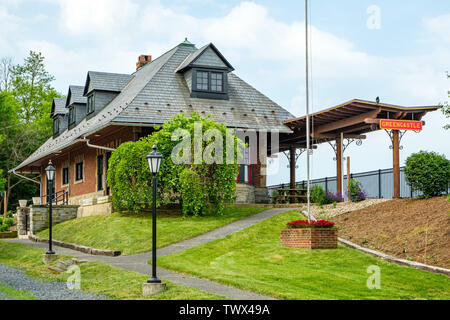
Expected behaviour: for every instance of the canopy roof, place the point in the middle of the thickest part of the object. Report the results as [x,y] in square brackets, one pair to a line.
[353,118]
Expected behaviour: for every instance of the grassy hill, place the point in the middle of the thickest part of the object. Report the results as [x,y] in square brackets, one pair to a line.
[132,233]
[253,259]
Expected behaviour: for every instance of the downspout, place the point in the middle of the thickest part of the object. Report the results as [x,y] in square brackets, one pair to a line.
[95,146]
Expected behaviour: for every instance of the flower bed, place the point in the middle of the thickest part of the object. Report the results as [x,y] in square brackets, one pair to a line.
[310,234]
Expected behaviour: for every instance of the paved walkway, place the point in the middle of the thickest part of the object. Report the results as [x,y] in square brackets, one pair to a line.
[138,262]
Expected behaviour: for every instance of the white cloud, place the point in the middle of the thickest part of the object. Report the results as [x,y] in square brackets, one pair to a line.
[99,16]
[438,28]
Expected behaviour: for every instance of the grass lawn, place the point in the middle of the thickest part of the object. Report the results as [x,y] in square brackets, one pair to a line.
[96,277]
[132,233]
[9,293]
[253,259]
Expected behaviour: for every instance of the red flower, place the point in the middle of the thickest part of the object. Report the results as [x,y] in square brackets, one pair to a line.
[310,224]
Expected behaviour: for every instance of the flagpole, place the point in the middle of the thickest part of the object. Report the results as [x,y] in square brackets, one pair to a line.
[308,146]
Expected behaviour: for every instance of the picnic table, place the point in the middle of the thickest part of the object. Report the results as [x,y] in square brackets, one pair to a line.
[291,195]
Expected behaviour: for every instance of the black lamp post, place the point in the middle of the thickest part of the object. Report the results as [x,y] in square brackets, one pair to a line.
[50,171]
[154,162]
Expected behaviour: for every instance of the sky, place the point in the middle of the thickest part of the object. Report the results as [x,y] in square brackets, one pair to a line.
[397,50]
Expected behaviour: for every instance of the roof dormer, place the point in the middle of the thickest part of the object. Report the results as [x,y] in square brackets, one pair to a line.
[101,88]
[206,73]
[76,104]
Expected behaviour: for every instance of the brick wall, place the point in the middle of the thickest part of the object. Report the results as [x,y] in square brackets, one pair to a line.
[309,238]
[87,187]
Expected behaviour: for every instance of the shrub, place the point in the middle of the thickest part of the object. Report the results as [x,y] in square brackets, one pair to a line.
[300,224]
[334,197]
[130,180]
[4,228]
[428,172]
[274,196]
[9,222]
[318,195]
[356,192]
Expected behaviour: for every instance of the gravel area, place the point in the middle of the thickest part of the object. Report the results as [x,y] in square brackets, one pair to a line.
[41,290]
[329,211]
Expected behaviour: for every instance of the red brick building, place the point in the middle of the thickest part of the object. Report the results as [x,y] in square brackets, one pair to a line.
[114,108]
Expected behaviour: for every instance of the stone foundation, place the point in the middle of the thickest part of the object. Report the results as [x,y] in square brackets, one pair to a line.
[312,238]
[100,207]
[78,200]
[245,193]
[261,195]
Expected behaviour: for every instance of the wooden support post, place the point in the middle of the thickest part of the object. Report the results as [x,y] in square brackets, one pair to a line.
[396,162]
[339,166]
[348,180]
[292,170]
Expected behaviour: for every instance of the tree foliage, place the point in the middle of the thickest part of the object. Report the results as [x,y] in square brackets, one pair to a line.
[31,87]
[2,181]
[428,172]
[201,188]
[26,97]
[446,107]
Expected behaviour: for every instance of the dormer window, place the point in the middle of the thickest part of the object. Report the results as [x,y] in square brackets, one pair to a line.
[202,80]
[209,81]
[216,81]
[55,126]
[71,115]
[90,104]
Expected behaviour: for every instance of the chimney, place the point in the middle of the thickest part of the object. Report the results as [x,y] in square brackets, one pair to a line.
[142,61]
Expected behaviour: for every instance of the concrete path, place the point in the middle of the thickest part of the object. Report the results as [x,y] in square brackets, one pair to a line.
[138,262]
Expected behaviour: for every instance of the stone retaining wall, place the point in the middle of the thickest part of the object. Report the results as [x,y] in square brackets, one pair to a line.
[88,250]
[39,216]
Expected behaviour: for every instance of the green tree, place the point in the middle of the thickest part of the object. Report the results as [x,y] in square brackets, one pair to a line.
[31,87]
[428,172]
[2,181]
[200,187]
[25,121]
[446,107]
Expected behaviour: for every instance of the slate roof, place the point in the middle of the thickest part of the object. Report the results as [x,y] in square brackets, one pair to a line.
[58,107]
[155,92]
[105,81]
[192,57]
[76,92]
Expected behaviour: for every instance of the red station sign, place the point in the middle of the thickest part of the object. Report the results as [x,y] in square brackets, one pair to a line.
[401,125]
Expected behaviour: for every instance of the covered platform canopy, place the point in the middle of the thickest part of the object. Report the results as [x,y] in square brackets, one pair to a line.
[351,120]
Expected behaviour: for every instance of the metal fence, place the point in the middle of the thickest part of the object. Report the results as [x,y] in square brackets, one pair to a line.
[377,184]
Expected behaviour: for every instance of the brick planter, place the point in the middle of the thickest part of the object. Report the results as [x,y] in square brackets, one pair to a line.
[312,238]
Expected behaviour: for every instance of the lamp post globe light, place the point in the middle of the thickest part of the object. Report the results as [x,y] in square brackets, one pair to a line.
[50,171]
[154,162]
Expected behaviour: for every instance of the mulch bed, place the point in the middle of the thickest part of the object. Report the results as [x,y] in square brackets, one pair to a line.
[413,229]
